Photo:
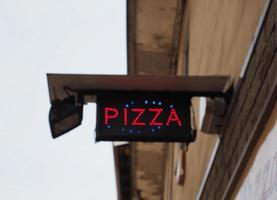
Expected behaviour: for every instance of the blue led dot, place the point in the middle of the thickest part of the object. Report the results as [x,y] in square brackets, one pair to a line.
[127,106]
[146,102]
[132,102]
[154,102]
[109,126]
[152,130]
[130,131]
[160,103]
[138,131]
[159,127]
[171,106]
[122,129]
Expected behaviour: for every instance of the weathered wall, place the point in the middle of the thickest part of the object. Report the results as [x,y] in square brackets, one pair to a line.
[214,41]
[250,109]
[220,33]
[152,31]
[259,178]
[148,166]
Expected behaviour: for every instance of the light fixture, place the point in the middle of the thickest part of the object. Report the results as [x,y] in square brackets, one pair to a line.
[65,115]
[216,109]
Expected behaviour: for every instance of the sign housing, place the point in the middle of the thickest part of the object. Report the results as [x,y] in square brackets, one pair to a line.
[143,116]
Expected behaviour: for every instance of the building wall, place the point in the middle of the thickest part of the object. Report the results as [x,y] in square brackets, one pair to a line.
[251,107]
[259,179]
[219,36]
[152,30]
[214,40]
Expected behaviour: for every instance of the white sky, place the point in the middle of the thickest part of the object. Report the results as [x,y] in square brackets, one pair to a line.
[39,37]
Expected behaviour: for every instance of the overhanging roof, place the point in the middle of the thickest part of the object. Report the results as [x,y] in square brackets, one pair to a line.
[193,84]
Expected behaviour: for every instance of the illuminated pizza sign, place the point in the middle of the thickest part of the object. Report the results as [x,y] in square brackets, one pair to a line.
[142,117]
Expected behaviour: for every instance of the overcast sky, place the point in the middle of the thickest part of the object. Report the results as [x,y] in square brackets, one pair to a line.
[39,37]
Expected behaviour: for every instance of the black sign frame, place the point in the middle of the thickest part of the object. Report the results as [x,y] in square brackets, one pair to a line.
[135,99]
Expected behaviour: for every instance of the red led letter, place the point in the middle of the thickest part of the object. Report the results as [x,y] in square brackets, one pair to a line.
[140,112]
[158,112]
[125,116]
[173,117]
[108,116]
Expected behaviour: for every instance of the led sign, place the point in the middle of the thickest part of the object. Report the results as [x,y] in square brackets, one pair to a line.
[143,116]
